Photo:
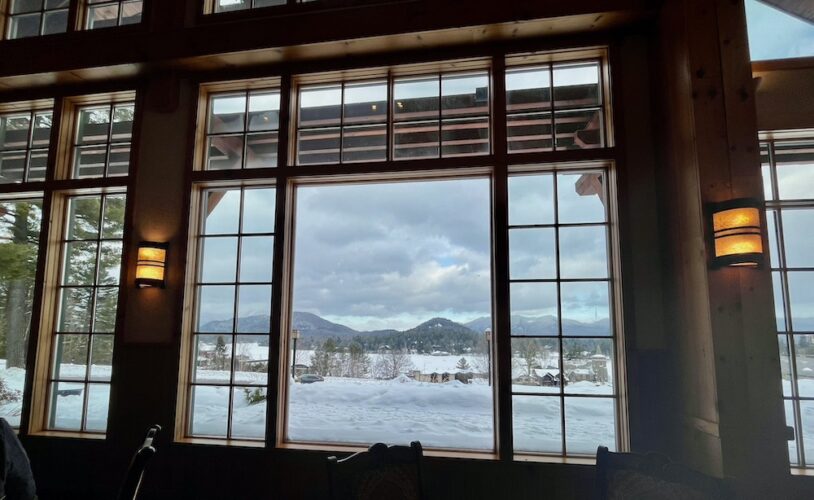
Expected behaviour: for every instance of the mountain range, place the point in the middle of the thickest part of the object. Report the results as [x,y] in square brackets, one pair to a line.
[314,327]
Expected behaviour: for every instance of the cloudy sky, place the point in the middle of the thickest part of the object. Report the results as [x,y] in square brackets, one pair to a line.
[774,34]
[394,255]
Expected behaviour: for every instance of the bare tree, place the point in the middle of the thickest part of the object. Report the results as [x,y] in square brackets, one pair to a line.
[529,352]
[392,363]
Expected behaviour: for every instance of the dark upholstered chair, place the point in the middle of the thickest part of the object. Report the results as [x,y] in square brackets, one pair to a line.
[381,472]
[622,476]
[135,473]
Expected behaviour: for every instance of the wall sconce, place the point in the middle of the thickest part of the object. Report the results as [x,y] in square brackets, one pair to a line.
[736,233]
[151,264]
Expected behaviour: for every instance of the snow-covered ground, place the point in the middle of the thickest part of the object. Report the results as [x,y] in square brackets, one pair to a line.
[452,414]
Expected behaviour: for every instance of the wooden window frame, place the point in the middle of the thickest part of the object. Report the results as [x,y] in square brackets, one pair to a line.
[775,208]
[498,162]
[83,14]
[57,187]
[5,19]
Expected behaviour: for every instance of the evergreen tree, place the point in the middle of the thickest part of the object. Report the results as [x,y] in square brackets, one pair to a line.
[463,364]
[220,354]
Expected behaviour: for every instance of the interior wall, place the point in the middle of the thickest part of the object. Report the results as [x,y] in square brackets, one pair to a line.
[783,90]
[150,336]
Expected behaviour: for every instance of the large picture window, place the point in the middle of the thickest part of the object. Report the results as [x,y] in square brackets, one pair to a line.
[391,298]
[425,276]
[788,175]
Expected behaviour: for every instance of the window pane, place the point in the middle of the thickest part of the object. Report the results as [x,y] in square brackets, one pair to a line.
[37,164]
[365,103]
[106,305]
[807,418]
[804,356]
[532,253]
[785,363]
[465,137]
[364,143]
[83,218]
[537,424]
[536,366]
[779,303]
[319,145]
[801,296]
[94,125]
[90,161]
[528,89]
[589,422]
[795,170]
[264,111]
[222,212]
[71,357]
[20,6]
[416,98]
[261,150]
[66,405]
[266,3]
[259,206]
[225,152]
[320,106]
[797,226]
[101,357]
[534,309]
[228,5]
[12,166]
[530,133]
[256,258]
[251,360]
[576,85]
[766,171]
[216,305]
[581,197]
[19,238]
[24,26]
[531,199]
[588,366]
[254,309]
[465,95]
[103,16]
[415,140]
[80,263]
[583,252]
[110,263]
[219,260]
[249,413]
[210,411]
[113,222]
[131,12]
[585,308]
[227,113]
[122,123]
[771,230]
[14,131]
[789,407]
[75,310]
[579,129]
[213,355]
[410,315]
[55,22]
[98,399]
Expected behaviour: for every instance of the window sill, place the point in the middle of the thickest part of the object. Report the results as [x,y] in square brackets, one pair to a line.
[238,443]
[552,459]
[801,471]
[69,434]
